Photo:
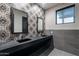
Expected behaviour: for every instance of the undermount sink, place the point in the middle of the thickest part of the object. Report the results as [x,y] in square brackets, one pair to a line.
[23,40]
[43,35]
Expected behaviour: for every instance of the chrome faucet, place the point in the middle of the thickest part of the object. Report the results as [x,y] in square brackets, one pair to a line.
[21,36]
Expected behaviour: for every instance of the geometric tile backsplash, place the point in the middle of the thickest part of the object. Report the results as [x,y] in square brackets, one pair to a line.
[5,23]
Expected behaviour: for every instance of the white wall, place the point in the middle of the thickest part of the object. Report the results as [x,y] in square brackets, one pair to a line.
[50,18]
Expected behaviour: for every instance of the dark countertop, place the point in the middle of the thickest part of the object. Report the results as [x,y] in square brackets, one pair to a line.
[14,46]
[15,43]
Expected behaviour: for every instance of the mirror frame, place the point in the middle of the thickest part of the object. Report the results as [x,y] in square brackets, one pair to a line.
[12,21]
[38,18]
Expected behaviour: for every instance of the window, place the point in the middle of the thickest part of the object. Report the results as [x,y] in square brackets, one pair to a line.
[65,15]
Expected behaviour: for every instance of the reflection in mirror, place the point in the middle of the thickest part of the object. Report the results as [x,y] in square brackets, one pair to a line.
[19,21]
[40,24]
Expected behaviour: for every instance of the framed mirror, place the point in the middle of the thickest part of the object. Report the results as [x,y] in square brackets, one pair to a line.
[19,21]
[40,25]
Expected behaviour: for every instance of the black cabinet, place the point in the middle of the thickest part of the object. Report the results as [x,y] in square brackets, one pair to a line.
[30,48]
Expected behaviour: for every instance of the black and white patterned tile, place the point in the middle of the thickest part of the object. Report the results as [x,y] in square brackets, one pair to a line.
[5,21]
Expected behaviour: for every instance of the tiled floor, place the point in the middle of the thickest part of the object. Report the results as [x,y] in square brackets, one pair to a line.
[57,52]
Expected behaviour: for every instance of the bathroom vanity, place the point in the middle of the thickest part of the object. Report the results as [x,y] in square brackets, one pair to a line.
[28,46]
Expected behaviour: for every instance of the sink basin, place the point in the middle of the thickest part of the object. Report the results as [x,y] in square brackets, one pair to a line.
[23,40]
[43,35]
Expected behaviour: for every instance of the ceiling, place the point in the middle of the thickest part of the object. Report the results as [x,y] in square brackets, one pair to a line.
[43,5]
[47,5]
